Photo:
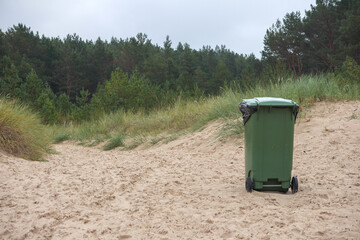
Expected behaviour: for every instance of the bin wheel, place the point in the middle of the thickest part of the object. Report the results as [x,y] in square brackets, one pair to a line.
[294,184]
[248,184]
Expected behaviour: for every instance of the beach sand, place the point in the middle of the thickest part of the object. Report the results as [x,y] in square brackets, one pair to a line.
[190,188]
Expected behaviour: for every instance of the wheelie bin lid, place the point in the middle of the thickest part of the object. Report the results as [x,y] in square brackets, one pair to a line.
[250,106]
[269,101]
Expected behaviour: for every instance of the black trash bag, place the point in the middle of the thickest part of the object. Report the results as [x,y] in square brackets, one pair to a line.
[247,111]
[296,111]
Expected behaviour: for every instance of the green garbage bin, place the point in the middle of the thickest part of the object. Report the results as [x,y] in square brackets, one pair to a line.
[269,138]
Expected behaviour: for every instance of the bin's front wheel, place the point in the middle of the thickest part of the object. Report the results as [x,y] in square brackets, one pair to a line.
[248,184]
[294,184]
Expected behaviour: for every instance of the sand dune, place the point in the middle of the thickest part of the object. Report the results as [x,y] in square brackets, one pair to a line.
[191,188]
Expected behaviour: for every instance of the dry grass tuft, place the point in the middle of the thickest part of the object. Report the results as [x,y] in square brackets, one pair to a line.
[21,132]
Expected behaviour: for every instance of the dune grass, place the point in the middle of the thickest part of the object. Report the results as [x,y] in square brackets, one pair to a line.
[116,141]
[21,132]
[23,135]
[192,115]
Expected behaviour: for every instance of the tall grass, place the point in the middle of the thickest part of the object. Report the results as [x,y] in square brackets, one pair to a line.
[185,114]
[307,89]
[21,132]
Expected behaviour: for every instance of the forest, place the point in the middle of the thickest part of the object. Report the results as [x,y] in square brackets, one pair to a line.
[74,80]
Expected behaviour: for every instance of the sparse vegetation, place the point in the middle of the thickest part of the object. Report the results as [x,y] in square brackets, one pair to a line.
[188,115]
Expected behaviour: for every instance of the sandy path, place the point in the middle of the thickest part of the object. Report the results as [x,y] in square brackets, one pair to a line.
[191,188]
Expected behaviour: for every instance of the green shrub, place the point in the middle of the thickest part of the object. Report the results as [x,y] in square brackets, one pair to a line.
[32,88]
[63,105]
[348,74]
[46,109]
[124,92]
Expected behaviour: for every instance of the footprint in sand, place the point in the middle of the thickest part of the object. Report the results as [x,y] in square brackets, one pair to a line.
[124,236]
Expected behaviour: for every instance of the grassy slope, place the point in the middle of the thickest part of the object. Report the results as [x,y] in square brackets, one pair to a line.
[184,115]
[21,132]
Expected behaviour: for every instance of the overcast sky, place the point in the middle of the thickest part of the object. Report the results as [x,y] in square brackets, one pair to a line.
[240,25]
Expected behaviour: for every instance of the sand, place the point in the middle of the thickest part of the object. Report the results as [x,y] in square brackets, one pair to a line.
[191,188]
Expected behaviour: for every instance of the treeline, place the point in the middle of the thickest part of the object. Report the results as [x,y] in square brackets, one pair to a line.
[319,42]
[75,79]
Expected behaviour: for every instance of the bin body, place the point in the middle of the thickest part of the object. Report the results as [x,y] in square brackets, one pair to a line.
[269,139]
